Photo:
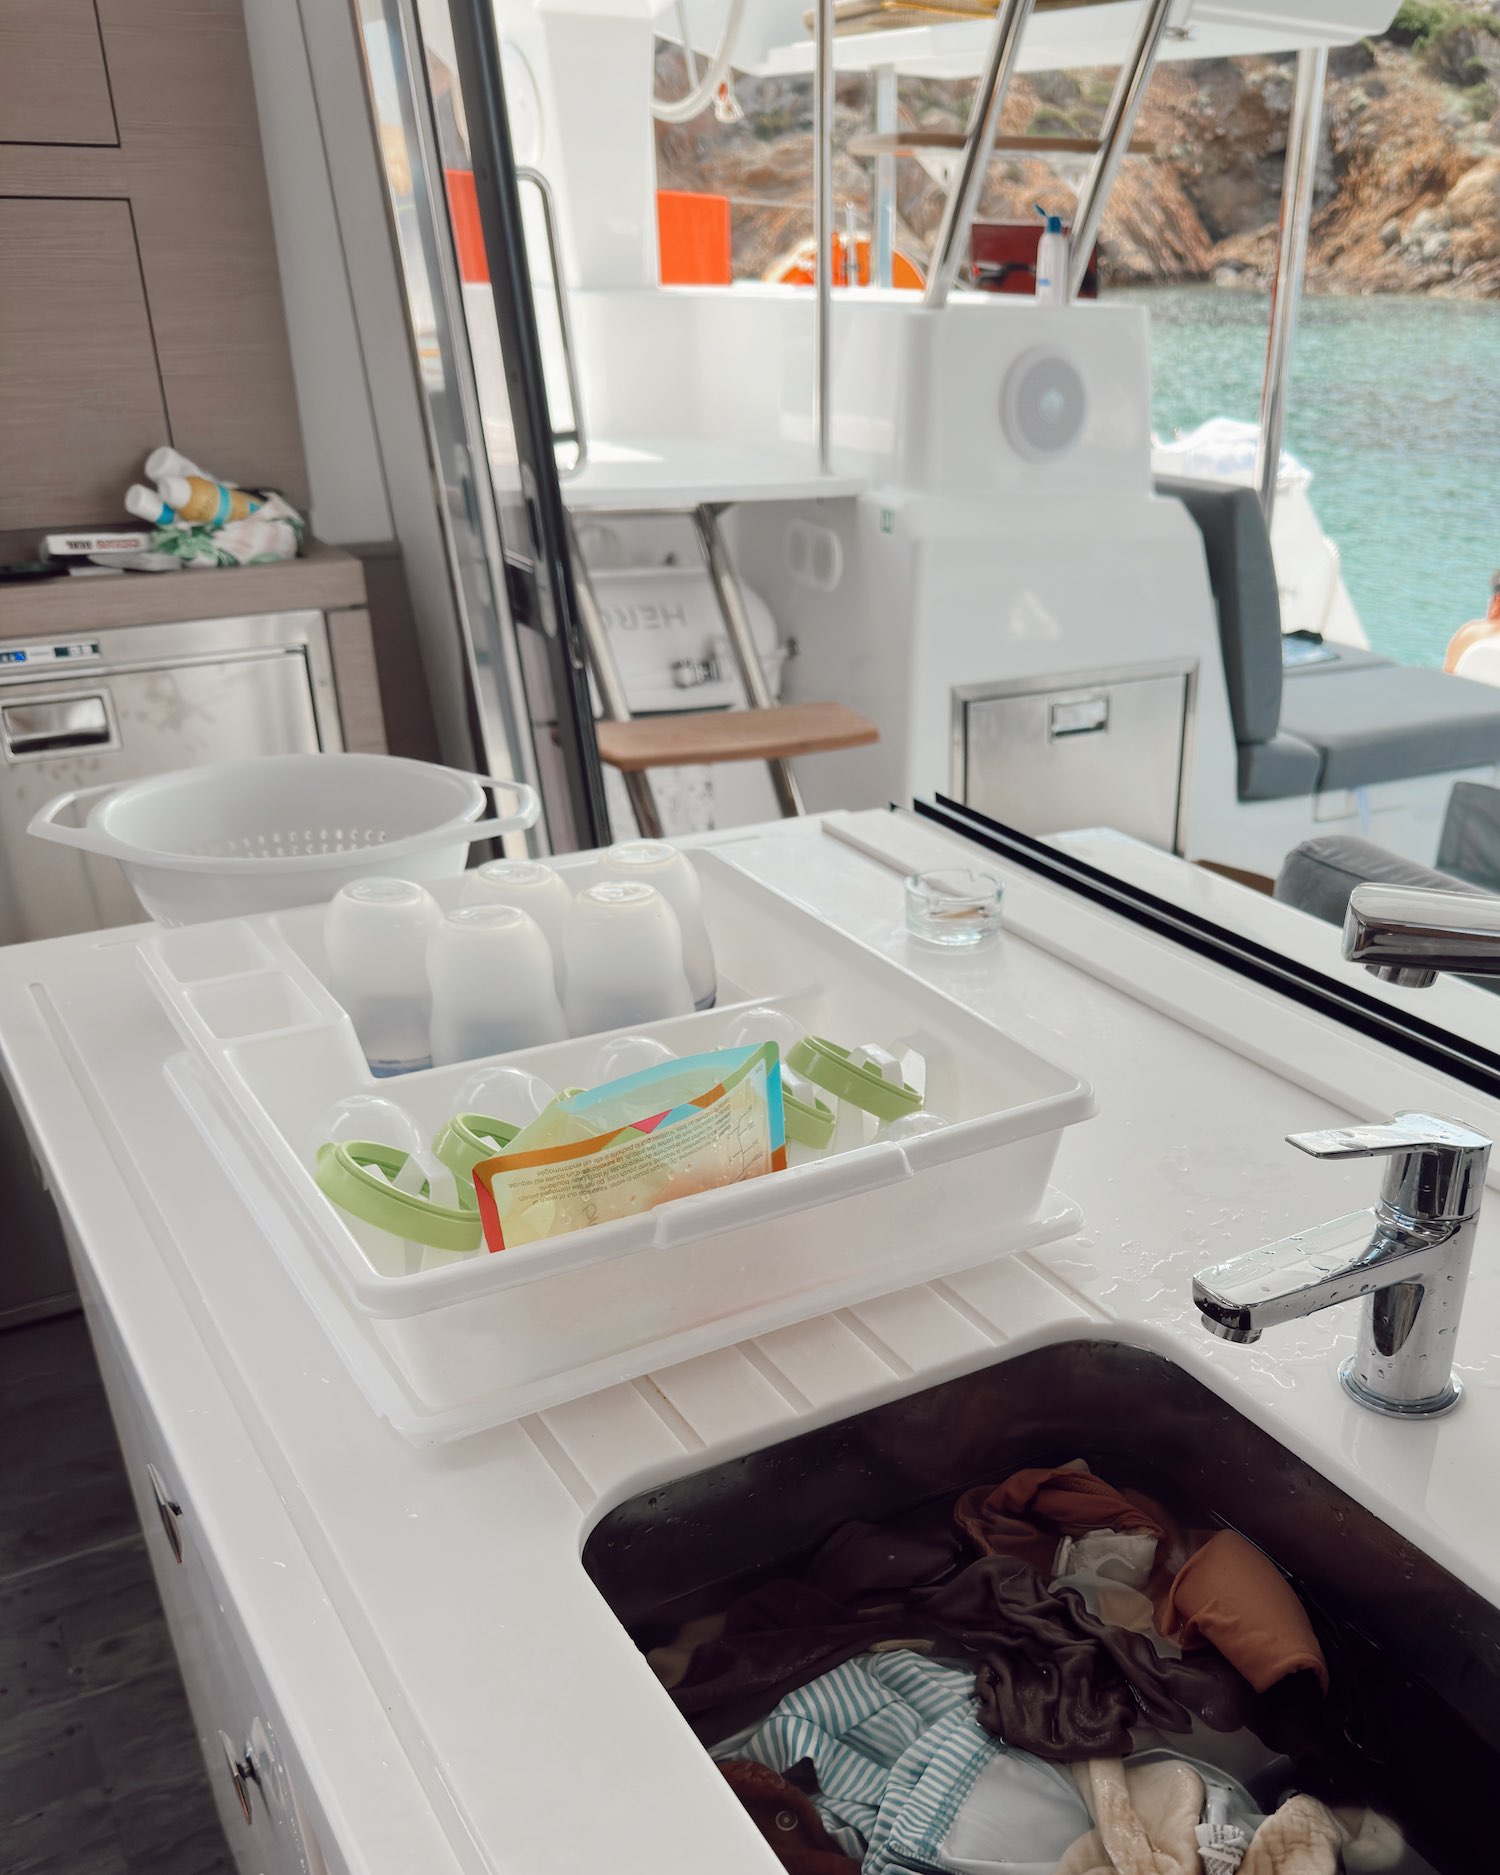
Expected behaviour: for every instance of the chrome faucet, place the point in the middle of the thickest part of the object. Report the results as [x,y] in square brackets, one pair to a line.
[1412,1269]
[1406,934]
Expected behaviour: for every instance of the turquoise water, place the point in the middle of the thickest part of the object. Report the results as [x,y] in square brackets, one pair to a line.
[1395,407]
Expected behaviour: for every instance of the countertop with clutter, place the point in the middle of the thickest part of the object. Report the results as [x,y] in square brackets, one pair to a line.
[243,551]
[322,578]
[462,1696]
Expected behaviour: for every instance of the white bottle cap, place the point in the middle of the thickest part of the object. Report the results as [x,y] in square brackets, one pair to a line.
[149,505]
[169,461]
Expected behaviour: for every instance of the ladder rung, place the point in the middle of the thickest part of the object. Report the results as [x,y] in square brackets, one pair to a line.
[710,736]
[908,143]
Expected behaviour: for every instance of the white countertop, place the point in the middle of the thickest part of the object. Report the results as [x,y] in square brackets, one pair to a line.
[669,474]
[473,1704]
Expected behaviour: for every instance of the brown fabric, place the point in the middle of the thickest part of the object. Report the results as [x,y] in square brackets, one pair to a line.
[1050,1678]
[779,1636]
[1229,1596]
[1302,1838]
[787,1819]
[1027,1514]
[872,1561]
[1055,1681]
[853,1597]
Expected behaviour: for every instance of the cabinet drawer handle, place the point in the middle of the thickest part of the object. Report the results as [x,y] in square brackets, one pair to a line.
[242,1774]
[168,1509]
[1078,716]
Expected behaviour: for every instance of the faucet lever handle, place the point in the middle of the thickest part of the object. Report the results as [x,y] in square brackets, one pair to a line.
[1407,1132]
[1438,1164]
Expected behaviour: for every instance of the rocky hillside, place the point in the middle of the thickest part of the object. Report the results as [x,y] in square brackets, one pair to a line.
[1408,188]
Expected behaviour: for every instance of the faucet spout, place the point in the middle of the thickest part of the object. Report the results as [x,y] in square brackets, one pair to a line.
[1348,1257]
[1225,1330]
[1405,934]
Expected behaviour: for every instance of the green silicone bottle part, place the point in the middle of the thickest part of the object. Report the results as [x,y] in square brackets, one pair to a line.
[464,1143]
[343,1175]
[809,1124]
[830,1066]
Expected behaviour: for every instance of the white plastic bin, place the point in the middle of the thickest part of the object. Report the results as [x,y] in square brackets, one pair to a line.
[474,1340]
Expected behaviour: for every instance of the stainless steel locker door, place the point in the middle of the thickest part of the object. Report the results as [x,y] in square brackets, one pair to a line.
[1089,755]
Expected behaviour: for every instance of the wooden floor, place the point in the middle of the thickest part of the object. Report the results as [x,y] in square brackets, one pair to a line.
[100,1772]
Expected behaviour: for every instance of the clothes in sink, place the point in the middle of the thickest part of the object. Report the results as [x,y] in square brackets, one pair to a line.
[1145,1819]
[883,1761]
[1234,1598]
[1066,1672]
[1050,1677]
[849,1597]
[1302,1838]
[1028,1514]
[1215,1589]
[1054,1680]
[1110,1570]
[788,1819]
[899,1756]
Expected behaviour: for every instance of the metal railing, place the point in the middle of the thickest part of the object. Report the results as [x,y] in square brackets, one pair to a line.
[577,435]
[823,232]
[984,121]
[1291,265]
[1114,136]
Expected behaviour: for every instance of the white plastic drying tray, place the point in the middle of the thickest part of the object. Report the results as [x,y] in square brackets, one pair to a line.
[464,1342]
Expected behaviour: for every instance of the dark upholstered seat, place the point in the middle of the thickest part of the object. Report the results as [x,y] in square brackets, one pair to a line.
[1340,724]
[1385,723]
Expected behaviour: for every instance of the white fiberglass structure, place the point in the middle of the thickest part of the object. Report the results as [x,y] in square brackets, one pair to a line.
[948,501]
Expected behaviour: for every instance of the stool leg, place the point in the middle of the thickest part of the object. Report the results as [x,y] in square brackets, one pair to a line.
[742,644]
[611,689]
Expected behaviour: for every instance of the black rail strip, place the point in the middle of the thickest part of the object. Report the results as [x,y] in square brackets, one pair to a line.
[1411,1035]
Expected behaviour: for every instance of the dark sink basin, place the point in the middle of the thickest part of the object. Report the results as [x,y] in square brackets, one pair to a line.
[1412,1724]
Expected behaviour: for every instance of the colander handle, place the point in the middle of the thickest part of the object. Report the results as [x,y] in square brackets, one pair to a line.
[45,825]
[527,810]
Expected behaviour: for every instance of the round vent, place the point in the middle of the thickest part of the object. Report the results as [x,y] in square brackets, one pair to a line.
[1043,405]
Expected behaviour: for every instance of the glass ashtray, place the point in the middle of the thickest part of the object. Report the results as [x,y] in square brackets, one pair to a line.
[954,906]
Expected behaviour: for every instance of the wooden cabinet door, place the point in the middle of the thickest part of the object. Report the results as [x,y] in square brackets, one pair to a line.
[80,393]
[53,84]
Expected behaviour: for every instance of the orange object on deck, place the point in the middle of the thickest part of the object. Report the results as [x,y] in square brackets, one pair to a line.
[468,237]
[1476,629]
[693,239]
[797,267]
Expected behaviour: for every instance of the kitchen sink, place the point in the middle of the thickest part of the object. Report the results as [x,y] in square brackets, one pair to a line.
[1412,1722]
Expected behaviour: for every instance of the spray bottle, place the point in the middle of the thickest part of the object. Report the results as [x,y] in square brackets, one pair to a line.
[1051,261]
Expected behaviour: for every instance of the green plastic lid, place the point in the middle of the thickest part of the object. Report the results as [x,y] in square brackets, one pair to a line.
[464,1142]
[809,1124]
[862,1085]
[343,1174]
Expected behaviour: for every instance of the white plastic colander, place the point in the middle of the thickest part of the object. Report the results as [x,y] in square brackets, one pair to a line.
[232,838]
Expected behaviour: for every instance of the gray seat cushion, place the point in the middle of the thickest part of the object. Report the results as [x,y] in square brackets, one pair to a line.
[1275,770]
[1319,875]
[1469,846]
[1385,723]
[1243,575]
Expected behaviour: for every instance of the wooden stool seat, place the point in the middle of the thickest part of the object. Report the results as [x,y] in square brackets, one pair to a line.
[709,736]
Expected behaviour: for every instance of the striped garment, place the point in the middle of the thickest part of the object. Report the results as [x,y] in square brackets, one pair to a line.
[897,1748]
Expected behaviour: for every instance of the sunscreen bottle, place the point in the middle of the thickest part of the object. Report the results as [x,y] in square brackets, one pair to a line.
[198,499]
